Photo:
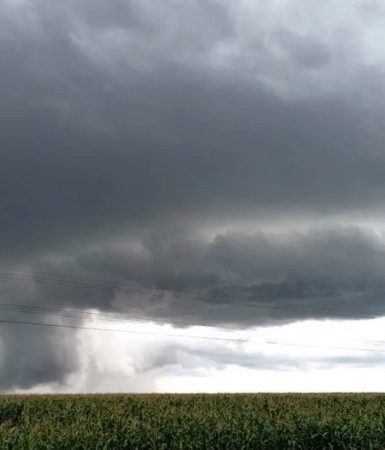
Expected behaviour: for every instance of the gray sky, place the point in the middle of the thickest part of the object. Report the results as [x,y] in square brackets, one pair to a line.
[229,152]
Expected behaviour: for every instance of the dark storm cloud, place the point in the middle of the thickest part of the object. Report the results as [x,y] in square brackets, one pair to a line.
[119,122]
[31,356]
[111,122]
[169,163]
[234,277]
[305,50]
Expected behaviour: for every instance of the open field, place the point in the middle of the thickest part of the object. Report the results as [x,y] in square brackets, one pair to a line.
[260,421]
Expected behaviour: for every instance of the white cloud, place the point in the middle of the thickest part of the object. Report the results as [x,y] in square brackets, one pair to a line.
[307,356]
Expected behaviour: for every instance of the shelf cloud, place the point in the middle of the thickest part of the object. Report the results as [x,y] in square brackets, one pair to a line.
[202,161]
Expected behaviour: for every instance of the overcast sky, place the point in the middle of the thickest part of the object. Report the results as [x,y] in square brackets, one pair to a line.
[210,162]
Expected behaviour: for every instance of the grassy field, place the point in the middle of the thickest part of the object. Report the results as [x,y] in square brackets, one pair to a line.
[193,422]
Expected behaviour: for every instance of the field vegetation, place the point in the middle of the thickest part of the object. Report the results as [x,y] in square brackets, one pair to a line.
[260,421]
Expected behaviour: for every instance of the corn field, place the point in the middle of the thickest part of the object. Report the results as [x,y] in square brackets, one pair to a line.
[223,421]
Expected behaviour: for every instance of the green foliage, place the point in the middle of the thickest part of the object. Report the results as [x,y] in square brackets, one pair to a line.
[189,422]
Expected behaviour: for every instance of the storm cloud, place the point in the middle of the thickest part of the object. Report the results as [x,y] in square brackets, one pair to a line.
[202,161]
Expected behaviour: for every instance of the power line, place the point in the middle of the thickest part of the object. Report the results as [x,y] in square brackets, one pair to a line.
[79,327]
[53,281]
[63,314]
[92,283]
[33,309]
[332,347]
[212,338]
[67,277]
[73,281]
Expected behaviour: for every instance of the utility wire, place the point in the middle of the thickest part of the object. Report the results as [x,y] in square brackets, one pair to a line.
[212,338]
[333,347]
[73,314]
[33,309]
[79,327]
[72,281]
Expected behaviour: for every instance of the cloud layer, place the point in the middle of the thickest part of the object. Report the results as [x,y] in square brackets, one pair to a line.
[223,153]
